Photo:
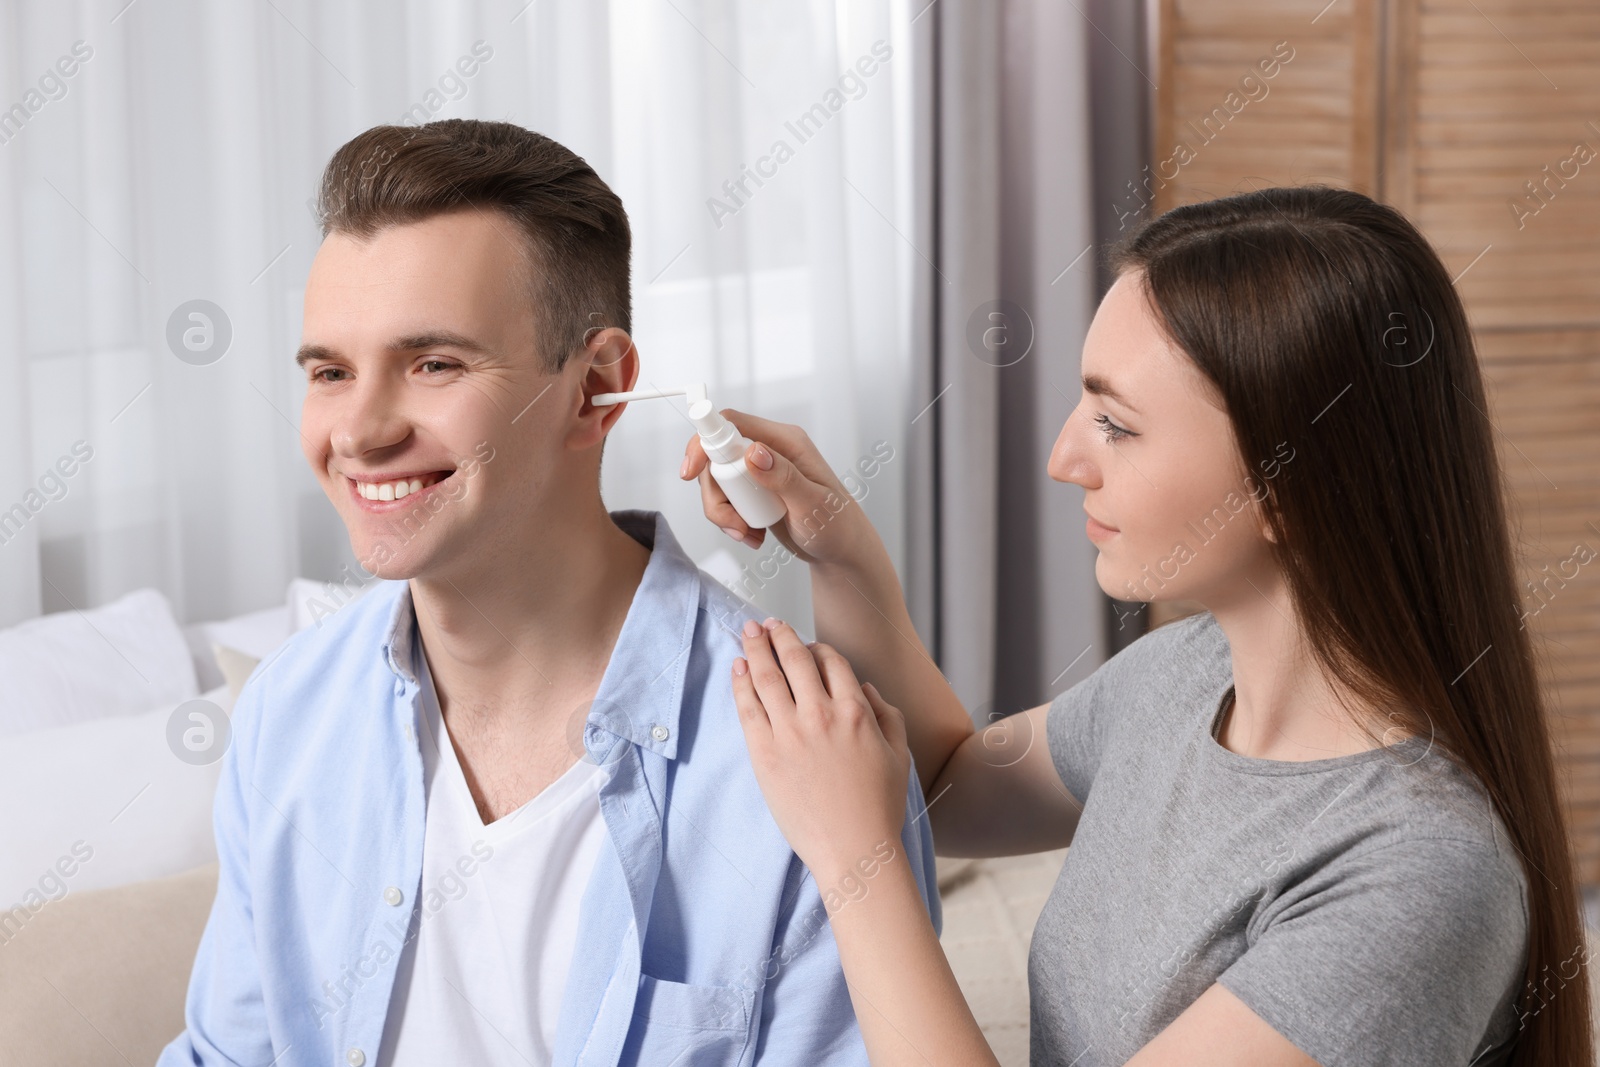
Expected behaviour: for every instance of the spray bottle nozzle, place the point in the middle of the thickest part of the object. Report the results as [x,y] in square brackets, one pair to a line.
[723,445]
[694,393]
[705,418]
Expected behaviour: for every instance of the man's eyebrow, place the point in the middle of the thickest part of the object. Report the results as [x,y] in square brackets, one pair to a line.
[438,339]
[414,343]
[308,353]
[1098,386]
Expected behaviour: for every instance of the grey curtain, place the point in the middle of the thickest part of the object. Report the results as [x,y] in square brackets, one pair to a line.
[1026,127]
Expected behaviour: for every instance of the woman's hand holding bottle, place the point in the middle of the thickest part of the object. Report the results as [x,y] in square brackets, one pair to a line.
[823,525]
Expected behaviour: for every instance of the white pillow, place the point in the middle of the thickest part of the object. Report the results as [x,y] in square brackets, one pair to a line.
[105,803]
[312,602]
[236,668]
[259,633]
[74,666]
[255,633]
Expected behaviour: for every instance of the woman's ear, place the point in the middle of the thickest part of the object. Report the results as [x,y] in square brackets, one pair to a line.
[1256,491]
[1265,525]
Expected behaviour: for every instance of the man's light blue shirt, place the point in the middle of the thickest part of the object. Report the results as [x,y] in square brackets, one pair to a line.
[702,938]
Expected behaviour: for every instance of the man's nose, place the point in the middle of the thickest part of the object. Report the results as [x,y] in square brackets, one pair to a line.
[372,419]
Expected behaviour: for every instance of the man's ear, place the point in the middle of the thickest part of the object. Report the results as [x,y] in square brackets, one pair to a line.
[609,364]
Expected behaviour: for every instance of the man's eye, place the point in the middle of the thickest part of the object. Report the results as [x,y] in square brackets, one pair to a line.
[438,363]
[317,375]
[1112,431]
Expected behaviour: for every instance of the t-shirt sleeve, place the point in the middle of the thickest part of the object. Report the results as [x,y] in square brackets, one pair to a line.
[1075,728]
[1400,954]
[1156,674]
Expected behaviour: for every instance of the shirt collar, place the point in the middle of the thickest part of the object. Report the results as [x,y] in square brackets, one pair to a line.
[399,642]
[641,692]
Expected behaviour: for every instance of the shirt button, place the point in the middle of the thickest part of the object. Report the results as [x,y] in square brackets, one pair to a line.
[660,733]
[393,896]
[355,1057]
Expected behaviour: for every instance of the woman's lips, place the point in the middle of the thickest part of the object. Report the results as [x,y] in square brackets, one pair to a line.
[1099,531]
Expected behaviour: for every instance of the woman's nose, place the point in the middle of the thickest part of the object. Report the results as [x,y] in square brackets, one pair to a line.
[1070,460]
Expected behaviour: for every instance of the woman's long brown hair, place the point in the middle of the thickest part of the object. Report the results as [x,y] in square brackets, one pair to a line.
[1326,320]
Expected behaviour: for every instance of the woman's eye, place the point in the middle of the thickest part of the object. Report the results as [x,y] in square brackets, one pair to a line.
[1112,431]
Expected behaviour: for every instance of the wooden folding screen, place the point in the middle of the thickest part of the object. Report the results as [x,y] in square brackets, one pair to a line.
[1480,119]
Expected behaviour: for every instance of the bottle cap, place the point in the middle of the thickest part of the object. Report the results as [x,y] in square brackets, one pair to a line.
[719,437]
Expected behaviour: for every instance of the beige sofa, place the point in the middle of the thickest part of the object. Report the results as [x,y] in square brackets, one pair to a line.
[98,978]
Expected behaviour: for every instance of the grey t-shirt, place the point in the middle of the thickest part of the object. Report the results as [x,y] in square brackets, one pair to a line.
[1369,907]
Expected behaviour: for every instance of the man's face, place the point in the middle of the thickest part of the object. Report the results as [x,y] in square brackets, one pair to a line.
[420,349]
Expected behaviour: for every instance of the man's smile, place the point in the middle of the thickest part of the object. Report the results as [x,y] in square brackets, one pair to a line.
[373,491]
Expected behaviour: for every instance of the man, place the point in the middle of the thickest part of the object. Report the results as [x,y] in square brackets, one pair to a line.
[499,809]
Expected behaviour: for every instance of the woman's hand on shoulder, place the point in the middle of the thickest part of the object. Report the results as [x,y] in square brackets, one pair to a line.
[829,753]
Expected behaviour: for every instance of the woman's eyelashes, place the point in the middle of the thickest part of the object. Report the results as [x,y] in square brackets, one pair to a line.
[1112,431]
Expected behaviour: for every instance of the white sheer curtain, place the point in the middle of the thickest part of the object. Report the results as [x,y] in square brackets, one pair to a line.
[176,162]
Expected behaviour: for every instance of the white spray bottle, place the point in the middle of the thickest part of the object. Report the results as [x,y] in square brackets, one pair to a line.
[723,445]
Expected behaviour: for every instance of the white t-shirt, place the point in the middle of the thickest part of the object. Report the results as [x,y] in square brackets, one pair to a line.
[482,980]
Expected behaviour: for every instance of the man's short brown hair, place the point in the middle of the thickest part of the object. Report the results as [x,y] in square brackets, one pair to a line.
[576,229]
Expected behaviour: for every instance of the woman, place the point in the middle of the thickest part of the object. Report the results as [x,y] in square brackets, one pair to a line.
[1317,823]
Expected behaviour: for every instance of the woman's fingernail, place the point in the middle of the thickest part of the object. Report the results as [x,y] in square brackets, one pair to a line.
[752,628]
[770,623]
[735,534]
[739,666]
[683,468]
[761,457]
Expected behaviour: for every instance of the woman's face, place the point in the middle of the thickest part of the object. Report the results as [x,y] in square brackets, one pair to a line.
[1170,505]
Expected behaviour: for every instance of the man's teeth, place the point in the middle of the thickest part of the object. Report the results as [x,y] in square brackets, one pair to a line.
[394,490]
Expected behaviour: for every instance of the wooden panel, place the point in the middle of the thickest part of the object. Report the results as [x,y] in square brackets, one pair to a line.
[1223,126]
[1545,403]
[1481,120]
[1503,175]
[1501,101]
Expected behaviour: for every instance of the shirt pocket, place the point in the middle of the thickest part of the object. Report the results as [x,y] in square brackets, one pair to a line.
[680,1025]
